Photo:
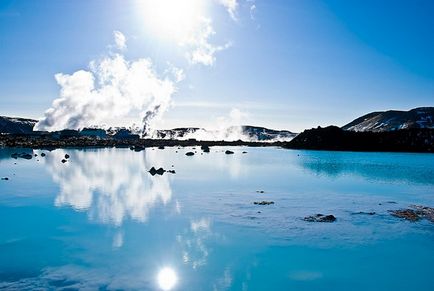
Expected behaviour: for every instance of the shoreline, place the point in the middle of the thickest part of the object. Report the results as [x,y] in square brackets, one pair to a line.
[329,138]
[11,141]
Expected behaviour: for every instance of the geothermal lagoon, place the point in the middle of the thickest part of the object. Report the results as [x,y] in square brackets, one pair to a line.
[100,220]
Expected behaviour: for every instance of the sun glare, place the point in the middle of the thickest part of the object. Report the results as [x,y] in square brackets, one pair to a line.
[167,278]
[172,19]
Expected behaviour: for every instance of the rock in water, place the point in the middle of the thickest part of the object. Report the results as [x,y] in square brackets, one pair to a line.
[5,178]
[64,161]
[364,213]
[43,155]
[418,212]
[66,156]
[161,147]
[26,156]
[408,214]
[189,154]
[425,212]
[320,218]
[154,171]
[263,202]
[229,152]
[205,148]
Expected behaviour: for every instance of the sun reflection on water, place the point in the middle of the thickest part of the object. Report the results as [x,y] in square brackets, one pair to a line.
[167,278]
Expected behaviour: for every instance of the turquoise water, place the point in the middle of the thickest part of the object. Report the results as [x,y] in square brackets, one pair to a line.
[100,221]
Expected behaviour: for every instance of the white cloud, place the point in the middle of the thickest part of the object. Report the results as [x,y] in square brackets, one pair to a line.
[252,11]
[120,40]
[201,51]
[231,6]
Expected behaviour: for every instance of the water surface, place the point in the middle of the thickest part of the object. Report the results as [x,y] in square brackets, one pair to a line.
[101,221]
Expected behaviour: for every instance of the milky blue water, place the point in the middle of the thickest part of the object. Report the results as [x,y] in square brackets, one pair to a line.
[101,221]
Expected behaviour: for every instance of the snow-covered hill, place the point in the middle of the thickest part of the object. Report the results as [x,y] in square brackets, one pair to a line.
[422,117]
[16,125]
[245,133]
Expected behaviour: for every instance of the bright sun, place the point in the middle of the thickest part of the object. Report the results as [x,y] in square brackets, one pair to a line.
[172,19]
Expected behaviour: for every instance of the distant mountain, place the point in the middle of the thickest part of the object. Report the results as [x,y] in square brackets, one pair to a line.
[422,117]
[16,125]
[13,125]
[262,133]
[175,133]
[245,132]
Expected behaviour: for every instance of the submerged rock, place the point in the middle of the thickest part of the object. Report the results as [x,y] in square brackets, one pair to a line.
[320,218]
[364,213]
[408,214]
[425,212]
[189,154]
[388,202]
[260,191]
[22,155]
[263,202]
[229,152]
[154,171]
[26,156]
[417,212]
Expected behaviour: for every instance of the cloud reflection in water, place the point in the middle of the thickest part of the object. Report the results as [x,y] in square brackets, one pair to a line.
[110,184]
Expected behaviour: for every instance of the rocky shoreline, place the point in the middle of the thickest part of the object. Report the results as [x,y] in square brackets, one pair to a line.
[329,138]
[24,141]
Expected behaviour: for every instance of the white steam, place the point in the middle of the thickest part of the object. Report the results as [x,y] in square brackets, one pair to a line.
[112,89]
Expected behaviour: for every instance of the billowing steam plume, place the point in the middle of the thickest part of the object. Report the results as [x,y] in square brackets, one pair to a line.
[112,89]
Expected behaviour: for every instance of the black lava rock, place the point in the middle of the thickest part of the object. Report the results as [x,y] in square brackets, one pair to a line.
[320,218]
[154,171]
[263,202]
[205,148]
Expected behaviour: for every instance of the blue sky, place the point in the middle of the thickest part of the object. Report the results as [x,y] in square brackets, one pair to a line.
[291,64]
